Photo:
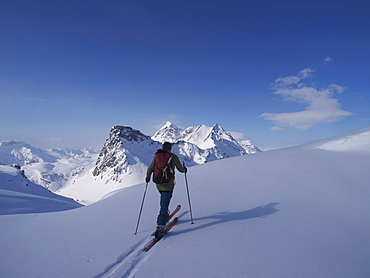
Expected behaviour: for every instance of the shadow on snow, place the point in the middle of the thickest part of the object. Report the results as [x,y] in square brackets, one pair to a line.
[227,216]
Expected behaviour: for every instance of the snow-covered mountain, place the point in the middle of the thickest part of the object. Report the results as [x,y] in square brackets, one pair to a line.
[50,168]
[28,196]
[306,218]
[249,147]
[20,153]
[168,133]
[127,153]
[214,139]
[123,160]
[124,151]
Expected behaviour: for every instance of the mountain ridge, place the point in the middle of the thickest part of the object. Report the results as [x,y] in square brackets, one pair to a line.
[128,152]
[127,147]
[122,161]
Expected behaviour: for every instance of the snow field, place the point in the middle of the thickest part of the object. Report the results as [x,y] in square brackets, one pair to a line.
[295,212]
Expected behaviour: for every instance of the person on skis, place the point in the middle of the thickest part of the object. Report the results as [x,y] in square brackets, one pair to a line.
[163,169]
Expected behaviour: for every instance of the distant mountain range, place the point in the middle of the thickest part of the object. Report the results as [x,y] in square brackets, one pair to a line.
[86,176]
[127,148]
[50,168]
[206,138]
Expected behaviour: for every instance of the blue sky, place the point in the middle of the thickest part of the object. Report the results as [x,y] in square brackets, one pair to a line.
[280,73]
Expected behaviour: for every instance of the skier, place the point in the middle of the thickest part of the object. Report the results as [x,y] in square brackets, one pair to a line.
[163,169]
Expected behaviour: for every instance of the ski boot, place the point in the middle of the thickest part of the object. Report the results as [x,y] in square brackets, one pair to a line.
[159,232]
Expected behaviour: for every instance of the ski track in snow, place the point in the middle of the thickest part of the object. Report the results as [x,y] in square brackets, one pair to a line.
[127,264]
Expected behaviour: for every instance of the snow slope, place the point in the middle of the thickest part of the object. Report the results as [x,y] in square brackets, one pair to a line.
[20,195]
[294,212]
[357,140]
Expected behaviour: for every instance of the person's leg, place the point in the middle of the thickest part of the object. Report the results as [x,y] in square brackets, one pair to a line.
[165,202]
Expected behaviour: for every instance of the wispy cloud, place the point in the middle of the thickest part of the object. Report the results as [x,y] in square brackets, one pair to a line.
[276,128]
[158,124]
[237,135]
[321,106]
[327,60]
[283,82]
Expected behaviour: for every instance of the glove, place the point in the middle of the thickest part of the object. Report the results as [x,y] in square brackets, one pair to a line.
[147,180]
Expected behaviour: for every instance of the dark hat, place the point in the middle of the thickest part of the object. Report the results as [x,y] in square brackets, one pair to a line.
[167,146]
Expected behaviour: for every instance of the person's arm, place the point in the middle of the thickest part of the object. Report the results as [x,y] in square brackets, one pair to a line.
[177,164]
[150,170]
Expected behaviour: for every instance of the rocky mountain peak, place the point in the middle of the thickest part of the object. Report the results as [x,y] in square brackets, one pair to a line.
[116,154]
[221,133]
[127,133]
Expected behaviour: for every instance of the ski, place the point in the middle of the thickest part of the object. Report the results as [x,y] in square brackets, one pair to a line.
[168,228]
[171,215]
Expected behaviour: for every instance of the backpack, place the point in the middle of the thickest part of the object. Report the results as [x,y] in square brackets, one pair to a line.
[163,172]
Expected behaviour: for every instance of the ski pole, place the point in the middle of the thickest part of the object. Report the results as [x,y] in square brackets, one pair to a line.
[187,189]
[141,208]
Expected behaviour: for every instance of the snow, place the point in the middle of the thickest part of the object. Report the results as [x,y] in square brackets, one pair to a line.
[351,141]
[127,153]
[86,176]
[204,137]
[294,212]
[49,168]
[20,195]
[199,137]
[12,202]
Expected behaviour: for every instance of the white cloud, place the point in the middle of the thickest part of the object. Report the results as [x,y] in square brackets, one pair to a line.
[337,88]
[305,73]
[237,135]
[276,128]
[283,82]
[321,106]
[327,60]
